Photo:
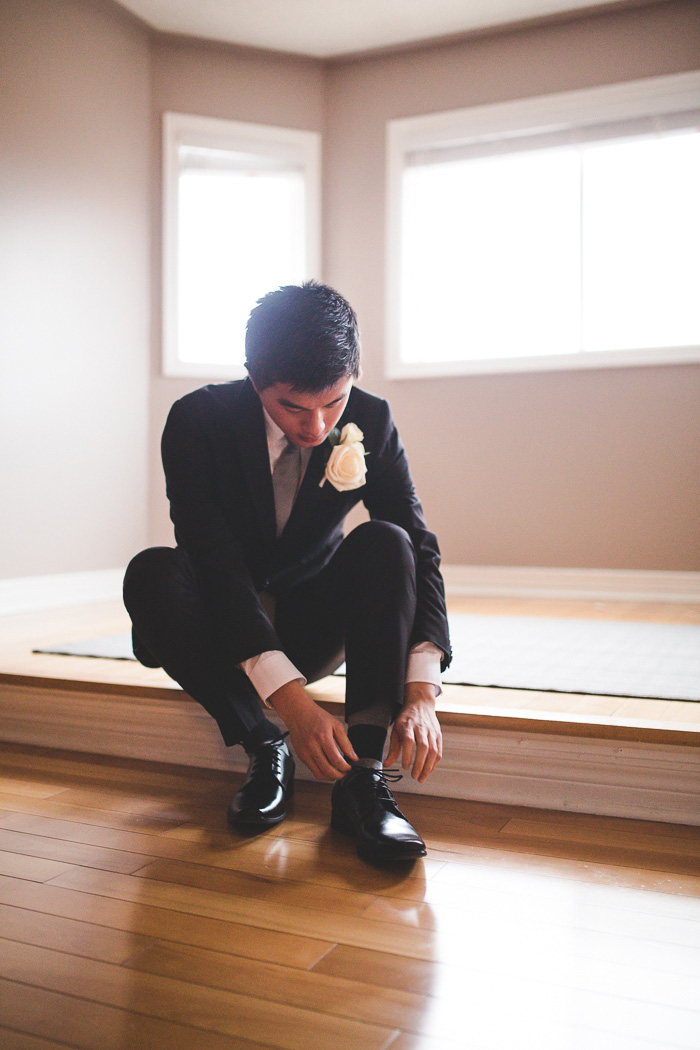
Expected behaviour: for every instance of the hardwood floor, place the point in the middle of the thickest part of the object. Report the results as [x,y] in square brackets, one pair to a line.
[131,917]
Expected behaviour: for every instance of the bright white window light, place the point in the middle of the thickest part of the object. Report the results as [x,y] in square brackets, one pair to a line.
[641,243]
[241,219]
[555,232]
[490,259]
[240,236]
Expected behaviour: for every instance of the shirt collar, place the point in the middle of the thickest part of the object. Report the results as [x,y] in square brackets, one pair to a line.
[277,443]
[273,432]
[276,438]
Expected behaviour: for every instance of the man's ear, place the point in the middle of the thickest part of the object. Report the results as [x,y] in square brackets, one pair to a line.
[245,365]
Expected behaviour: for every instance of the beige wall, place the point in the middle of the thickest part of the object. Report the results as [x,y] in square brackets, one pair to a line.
[74,215]
[592,468]
[234,84]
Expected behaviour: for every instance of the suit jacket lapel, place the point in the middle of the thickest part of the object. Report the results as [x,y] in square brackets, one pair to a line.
[251,439]
[311,493]
[314,471]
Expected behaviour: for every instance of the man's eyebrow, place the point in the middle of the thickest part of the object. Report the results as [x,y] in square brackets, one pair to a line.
[286,403]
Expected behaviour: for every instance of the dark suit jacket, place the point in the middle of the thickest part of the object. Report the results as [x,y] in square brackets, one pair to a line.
[219,485]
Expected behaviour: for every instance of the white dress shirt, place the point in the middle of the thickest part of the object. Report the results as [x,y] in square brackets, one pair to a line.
[270,670]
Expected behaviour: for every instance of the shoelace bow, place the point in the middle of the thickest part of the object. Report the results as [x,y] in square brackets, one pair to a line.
[377,788]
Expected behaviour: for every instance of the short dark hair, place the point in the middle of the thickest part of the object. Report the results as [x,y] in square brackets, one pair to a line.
[304,335]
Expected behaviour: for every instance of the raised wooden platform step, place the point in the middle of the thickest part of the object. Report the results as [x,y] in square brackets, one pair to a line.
[603,755]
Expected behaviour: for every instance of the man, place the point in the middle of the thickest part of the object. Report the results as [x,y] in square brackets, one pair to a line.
[263,592]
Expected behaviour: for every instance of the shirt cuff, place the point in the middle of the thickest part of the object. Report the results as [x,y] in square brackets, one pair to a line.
[269,671]
[424,665]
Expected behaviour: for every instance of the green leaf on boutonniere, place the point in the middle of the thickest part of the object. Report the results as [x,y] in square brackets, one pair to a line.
[331,441]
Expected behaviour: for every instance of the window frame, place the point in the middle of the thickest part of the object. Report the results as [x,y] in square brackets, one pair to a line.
[654,96]
[302,147]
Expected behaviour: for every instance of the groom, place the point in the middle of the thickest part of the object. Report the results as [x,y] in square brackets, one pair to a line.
[263,592]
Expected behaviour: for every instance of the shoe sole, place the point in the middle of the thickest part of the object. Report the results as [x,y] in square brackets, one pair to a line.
[261,822]
[242,821]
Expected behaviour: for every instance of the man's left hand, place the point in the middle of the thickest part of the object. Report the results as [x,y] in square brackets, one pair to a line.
[416,736]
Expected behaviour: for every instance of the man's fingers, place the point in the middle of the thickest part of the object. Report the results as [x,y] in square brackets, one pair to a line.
[418,746]
[346,749]
[339,767]
[408,745]
[335,749]
[322,745]
[394,748]
[312,754]
[420,758]
[401,745]
[431,760]
[328,752]
[320,766]
[434,756]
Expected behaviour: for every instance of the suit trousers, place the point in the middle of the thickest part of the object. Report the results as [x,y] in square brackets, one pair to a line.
[360,606]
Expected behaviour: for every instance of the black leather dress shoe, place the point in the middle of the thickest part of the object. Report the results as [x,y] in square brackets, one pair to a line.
[363,806]
[268,784]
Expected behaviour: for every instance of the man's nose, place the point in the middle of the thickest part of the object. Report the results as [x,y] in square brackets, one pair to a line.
[317,424]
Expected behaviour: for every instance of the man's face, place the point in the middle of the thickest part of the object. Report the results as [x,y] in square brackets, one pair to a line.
[306,419]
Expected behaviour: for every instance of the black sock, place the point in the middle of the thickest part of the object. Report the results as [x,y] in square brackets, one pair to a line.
[368,741]
[263,733]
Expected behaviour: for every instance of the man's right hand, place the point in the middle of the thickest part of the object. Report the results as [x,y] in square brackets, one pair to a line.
[318,739]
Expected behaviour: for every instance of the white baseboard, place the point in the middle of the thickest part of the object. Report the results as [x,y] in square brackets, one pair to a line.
[67,588]
[646,781]
[583,584]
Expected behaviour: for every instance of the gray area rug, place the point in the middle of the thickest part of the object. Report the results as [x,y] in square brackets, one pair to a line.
[656,660]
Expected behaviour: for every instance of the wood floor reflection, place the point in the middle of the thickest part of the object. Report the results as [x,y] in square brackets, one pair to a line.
[131,917]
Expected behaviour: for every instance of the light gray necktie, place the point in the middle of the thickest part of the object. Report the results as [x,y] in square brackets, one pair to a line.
[286,478]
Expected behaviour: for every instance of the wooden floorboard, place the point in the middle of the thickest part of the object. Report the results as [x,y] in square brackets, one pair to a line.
[129,922]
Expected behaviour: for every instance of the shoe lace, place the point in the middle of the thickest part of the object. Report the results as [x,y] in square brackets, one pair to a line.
[376,786]
[273,752]
[391,776]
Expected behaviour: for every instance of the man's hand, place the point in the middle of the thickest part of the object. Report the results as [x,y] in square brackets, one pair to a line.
[318,739]
[416,736]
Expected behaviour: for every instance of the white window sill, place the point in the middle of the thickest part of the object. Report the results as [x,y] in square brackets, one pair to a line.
[545,363]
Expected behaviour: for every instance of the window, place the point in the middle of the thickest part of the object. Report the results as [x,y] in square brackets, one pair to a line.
[241,217]
[554,232]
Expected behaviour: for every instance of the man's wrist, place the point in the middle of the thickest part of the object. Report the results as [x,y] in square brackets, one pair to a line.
[420,692]
[288,697]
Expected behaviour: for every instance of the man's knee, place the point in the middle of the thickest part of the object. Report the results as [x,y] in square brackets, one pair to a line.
[384,543]
[148,570]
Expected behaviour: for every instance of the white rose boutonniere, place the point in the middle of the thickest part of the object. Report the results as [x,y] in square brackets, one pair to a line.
[346,468]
